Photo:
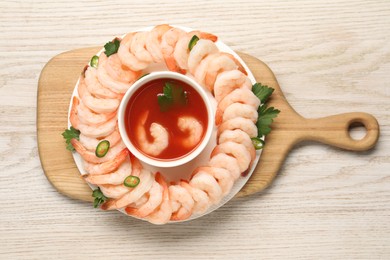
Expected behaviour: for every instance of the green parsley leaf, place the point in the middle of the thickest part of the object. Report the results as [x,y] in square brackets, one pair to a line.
[99,197]
[111,47]
[171,95]
[262,92]
[266,115]
[68,135]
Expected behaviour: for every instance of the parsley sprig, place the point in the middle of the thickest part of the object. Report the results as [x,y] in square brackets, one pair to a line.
[171,95]
[99,197]
[68,135]
[111,47]
[266,114]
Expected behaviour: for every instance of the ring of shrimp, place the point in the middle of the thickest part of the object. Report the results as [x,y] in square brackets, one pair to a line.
[94,113]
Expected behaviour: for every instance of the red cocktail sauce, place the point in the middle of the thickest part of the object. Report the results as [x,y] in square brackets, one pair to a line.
[145,98]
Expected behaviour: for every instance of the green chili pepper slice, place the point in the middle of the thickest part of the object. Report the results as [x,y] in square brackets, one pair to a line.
[257,143]
[95,61]
[193,42]
[102,148]
[131,181]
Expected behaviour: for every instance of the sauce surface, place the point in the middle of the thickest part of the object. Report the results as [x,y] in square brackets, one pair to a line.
[145,101]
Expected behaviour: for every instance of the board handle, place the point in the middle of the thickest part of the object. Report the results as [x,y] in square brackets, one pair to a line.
[335,130]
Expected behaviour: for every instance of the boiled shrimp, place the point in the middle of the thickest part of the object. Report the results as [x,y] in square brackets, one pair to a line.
[88,117]
[228,81]
[238,136]
[244,124]
[238,151]
[227,162]
[193,128]
[205,182]
[168,44]
[97,105]
[158,132]
[240,110]
[223,177]
[240,95]
[181,201]
[114,191]
[117,71]
[115,178]
[138,47]
[91,157]
[109,82]
[91,143]
[126,57]
[154,39]
[94,86]
[146,182]
[199,52]
[108,166]
[163,212]
[154,195]
[201,199]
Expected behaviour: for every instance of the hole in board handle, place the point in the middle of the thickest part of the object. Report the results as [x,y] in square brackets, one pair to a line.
[357,131]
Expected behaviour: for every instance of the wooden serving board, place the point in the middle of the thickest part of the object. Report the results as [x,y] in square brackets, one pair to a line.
[60,75]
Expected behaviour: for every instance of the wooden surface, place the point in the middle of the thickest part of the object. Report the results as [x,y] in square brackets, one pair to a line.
[56,84]
[329,58]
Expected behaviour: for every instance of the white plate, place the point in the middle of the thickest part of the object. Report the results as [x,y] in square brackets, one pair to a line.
[183,172]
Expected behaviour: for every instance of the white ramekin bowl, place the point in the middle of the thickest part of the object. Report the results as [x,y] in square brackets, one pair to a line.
[171,162]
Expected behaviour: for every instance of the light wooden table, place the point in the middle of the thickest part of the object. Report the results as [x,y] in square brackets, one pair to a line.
[326,203]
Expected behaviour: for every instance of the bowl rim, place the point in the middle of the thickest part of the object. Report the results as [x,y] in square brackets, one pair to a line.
[170,162]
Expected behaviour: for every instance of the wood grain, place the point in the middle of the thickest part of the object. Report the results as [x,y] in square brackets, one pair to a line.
[55,88]
[329,57]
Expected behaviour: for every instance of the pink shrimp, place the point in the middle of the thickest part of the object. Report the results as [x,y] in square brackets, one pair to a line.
[126,57]
[240,95]
[238,151]
[199,52]
[227,162]
[164,212]
[244,124]
[228,81]
[168,44]
[94,86]
[108,166]
[181,201]
[138,47]
[205,182]
[223,177]
[153,41]
[91,143]
[115,178]
[97,105]
[201,199]
[240,137]
[154,199]
[146,182]
[240,110]
[88,117]
[114,191]
[117,71]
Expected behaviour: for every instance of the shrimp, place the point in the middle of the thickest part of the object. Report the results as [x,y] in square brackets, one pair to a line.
[194,129]
[107,81]
[181,52]
[240,110]
[91,156]
[153,40]
[126,57]
[94,86]
[158,132]
[97,105]
[238,151]
[239,95]
[240,137]
[205,182]
[228,81]
[227,162]
[88,117]
[136,166]
[201,199]
[154,199]
[115,178]
[117,71]
[223,177]
[168,44]
[222,62]
[90,130]
[201,70]
[244,124]
[181,201]
[108,166]
[91,143]
[163,213]
[146,182]
[199,52]
[138,47]
[114,191]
